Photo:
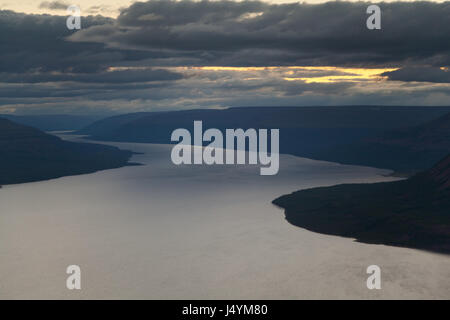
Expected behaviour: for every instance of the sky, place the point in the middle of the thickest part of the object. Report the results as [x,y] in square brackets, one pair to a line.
[170,55]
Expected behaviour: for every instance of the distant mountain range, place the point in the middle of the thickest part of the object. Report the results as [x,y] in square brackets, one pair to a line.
[406,149]
[53,122]
[411,213]
[384,137]
[28,154]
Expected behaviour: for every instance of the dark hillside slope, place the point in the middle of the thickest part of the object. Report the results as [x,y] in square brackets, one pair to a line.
[411,213]
[406,149]
[28,154]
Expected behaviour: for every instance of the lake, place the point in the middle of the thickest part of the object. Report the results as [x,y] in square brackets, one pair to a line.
[160,231]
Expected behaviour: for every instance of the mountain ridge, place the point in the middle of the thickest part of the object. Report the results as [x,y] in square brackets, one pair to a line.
[350,135]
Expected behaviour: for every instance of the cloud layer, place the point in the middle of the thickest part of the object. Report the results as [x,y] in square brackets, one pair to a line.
[420,74]
[153,57]
[251,33]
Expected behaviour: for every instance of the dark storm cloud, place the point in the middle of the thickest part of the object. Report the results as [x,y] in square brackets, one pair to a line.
[105,91]
[421,74]
[38,65]
[124,76]
[36,43]
[228,33]
[31,43]
[257,33]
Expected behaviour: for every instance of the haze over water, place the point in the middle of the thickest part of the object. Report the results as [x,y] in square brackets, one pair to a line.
[162,231]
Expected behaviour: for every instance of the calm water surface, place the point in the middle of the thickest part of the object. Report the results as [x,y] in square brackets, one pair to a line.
[194,232]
